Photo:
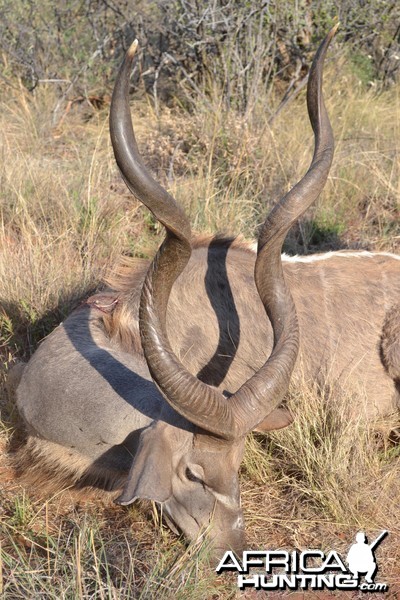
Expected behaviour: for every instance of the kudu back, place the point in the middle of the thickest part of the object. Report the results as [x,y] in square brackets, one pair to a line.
[151,386]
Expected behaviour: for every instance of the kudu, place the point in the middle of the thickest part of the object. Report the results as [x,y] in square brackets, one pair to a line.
[100,410]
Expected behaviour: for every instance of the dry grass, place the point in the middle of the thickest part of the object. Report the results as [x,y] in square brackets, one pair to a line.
[66,217]
[325,478]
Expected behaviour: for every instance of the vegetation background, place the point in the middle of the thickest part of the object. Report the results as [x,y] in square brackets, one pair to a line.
[218,97]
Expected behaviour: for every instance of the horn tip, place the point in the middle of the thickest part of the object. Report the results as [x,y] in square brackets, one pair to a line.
[333,30]
[132,49]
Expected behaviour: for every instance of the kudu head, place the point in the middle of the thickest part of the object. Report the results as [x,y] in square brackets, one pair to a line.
[191,468]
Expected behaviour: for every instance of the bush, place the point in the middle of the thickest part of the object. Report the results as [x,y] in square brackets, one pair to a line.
[236,48]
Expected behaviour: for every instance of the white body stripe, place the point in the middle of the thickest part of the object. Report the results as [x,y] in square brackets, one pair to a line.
[339,254]
[309,258]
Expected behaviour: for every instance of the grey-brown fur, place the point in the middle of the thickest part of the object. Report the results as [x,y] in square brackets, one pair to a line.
[347,304]
[92,411]
[348,314]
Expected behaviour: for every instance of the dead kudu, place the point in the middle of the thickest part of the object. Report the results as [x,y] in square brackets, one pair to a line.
[93,413]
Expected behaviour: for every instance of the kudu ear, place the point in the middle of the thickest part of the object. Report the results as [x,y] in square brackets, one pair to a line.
[151,473]
[277,419]
[150,476]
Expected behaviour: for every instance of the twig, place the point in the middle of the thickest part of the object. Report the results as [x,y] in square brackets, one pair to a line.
[288,97]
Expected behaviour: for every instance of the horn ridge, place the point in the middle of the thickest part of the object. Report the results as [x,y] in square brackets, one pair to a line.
[204,406]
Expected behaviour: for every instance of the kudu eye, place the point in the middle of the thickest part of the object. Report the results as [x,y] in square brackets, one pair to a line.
[192,477]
